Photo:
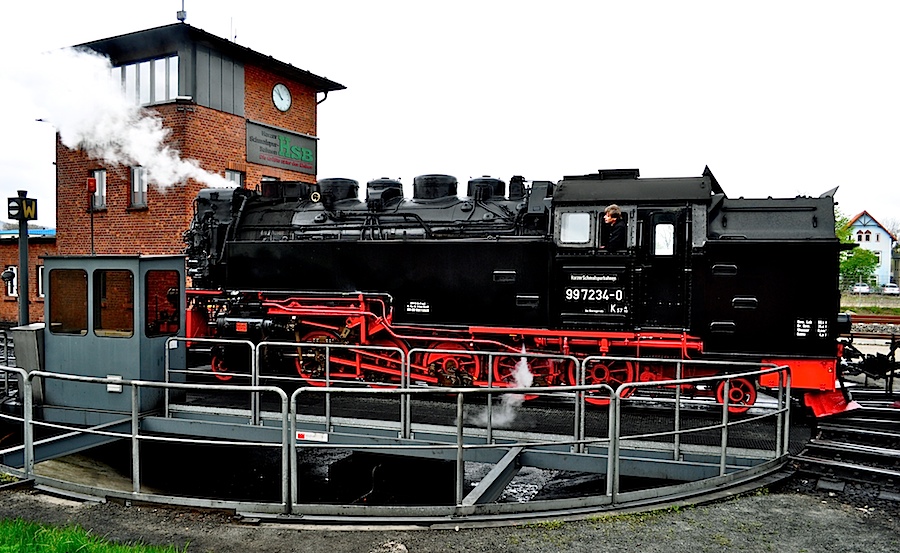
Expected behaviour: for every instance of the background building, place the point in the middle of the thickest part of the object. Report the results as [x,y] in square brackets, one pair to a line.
[873,236]
[242,115]
[41,242]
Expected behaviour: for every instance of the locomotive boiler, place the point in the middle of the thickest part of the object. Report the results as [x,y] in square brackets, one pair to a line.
[523,268]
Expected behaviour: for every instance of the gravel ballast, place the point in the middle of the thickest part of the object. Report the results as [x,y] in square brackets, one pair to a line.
[797,517]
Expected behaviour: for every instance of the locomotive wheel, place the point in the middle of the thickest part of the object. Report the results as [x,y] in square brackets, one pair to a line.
[544,371]
[452,369]
[218,366]
[612,373]
[383,366]
[741,395]
[310,361]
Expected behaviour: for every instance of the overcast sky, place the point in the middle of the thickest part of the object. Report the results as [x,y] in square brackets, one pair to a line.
[778,98]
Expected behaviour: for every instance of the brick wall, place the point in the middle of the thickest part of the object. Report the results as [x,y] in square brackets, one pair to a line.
[216,139]
[9,256]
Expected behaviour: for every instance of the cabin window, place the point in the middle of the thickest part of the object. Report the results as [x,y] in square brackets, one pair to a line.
[68,301]
[575,228]
[114,303]
[664,239]
[162,308]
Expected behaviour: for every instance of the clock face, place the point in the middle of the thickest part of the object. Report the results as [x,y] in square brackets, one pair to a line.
[281,96]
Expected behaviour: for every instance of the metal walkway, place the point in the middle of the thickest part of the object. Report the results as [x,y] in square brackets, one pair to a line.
[685,448]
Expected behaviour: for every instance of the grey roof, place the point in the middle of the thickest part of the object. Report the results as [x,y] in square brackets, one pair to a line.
[150,43]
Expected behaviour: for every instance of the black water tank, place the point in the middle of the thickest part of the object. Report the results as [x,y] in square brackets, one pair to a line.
[432,187]
[339,189]
[378,187]
[484,188]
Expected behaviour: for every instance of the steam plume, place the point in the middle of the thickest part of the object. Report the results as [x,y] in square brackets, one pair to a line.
[73,90]
[504,414]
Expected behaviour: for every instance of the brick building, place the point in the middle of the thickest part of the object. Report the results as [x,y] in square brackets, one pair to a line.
[41,242]
[240,114]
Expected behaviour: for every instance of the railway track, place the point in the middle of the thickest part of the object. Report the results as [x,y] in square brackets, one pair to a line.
[859,448]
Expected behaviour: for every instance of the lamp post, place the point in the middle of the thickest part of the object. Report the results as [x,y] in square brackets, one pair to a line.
[22,209]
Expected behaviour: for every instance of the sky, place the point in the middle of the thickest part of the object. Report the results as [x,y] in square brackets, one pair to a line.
[778,98]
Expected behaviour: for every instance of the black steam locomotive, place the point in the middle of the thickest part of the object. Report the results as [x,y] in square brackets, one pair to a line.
[522,268]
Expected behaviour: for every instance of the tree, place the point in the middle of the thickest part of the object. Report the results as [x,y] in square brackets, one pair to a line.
[858,266]
[842,227]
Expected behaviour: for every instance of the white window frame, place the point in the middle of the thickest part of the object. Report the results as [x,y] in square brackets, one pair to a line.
[138,187]
[39,276]
[98,199]
[576,228]
[235,177]
[150,81]
[12,287]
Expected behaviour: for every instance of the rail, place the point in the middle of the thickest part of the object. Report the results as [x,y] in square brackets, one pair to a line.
[463,445]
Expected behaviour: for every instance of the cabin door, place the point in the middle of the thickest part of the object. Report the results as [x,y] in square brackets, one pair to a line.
[663,269]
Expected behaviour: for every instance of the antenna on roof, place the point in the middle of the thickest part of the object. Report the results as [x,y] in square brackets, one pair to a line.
[181,15]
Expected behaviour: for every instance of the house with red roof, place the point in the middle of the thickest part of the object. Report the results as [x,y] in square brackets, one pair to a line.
[869,234]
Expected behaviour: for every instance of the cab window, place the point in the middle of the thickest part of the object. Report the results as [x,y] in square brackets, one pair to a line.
[664,239]
[575,228]
[161,308]
[113,303]
[68,301]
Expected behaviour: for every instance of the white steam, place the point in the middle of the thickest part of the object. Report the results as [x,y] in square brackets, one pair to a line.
[73,90]
[504,414]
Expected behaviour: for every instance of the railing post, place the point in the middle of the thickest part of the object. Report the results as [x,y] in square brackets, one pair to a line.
[580,446]
[676,453]
[28,425]
[405,410]
[779,419]
[724,446]
[167,364]
[135,443]
[254,381]
[612,461]
[787,414]
[489,423]
[287,467]
[460,457]
[327,386]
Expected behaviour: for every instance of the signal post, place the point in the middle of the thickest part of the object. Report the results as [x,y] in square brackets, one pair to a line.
[22,209]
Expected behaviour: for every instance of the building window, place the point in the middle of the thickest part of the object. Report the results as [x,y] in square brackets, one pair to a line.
[235,177]
[878,238]
[138,187]
[39,275]
[868,236]
[98,200]
[859,236]
[149,82]
[12,285]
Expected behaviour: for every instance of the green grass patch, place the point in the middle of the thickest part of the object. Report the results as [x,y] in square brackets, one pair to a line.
[19,536]
[7,478]
[871,310]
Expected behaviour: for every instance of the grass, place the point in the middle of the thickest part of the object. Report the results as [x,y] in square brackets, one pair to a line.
[872,310]
[26,537]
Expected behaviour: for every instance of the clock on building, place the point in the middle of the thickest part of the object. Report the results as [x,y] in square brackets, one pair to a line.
[281,96]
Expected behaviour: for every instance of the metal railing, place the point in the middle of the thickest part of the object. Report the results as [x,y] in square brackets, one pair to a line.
[466,440]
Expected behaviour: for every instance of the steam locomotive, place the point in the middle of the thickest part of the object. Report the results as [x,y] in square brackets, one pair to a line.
[523,268]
